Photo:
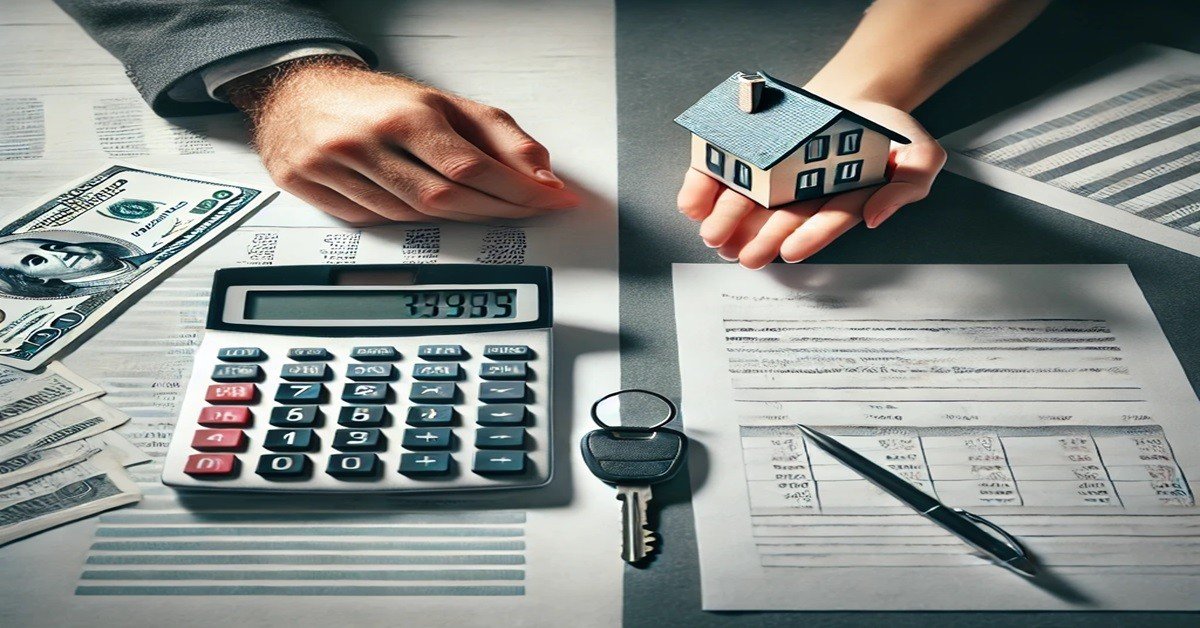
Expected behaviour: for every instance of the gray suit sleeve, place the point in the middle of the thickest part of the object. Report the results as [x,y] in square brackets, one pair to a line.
[162,41]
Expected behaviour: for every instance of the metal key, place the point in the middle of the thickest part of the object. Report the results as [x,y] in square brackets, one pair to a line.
[633,459]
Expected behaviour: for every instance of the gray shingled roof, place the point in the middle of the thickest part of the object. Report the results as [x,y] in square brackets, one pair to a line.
[787,117]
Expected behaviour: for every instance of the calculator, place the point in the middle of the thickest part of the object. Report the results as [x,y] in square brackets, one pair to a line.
[370,378]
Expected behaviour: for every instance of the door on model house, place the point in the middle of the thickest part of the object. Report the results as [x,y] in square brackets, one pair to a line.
[810,184]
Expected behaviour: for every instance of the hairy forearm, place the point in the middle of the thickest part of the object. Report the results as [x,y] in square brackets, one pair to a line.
[905,50]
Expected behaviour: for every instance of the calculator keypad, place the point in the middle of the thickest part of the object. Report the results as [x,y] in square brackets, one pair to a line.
[341,416]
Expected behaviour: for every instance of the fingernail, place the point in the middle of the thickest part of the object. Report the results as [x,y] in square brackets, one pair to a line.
[728,259]
[882,216]
[790,261]
[547,177]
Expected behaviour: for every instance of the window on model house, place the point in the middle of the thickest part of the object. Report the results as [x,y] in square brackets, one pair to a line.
[716,161]
[848,171]
[817,149]
[848,142]
[741,174]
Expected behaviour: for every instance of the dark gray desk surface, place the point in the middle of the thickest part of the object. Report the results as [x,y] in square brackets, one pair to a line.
[669,53]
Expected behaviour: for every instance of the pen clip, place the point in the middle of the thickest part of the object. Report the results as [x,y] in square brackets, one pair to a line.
[1005,537]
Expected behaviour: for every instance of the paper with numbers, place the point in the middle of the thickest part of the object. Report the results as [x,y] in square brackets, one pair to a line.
[1044,398]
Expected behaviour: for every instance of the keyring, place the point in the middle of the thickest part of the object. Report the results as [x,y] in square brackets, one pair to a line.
[671,411]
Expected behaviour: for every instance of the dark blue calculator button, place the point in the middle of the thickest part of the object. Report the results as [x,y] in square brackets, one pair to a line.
[359,440]
[365,393]
[353,466]
[283,466]
[441,352]
[427,438]
[438,392]
[237,373]
[507,352]
[501,414]
[370,372]
[309,354]
[493,392]
[363,416]
[503,370]
[295,416]
[305,372]
[300,393]
[430,415]
[241,354]
[430,463]
[498,462]
[375,354]
[434,372]
[500,438]
[290,440]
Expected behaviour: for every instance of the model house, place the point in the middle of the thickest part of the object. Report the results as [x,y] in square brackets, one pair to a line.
[777,143]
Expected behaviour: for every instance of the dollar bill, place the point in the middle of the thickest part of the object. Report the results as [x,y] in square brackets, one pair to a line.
[94,485]
[72,424]
[71,261]
[31,464]
[27,397]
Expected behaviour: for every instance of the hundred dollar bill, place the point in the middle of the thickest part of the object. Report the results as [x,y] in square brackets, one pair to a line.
[31,464]
[81,490]
[70,261]
[27,397]
[72,424]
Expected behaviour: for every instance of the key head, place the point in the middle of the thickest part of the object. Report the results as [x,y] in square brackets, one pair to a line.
[634,457]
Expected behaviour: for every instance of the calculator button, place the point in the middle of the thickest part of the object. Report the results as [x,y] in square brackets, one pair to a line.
[359,440]
[300,393]
[241,354]
[363,416]
[231,393]
[507,352]
[497,391]
[433,393]
[211,465]
[436,463]
[219,440]
[500,438]
[502,370]
[501,414]
[291,440]
[309,354]
[441,352]
[375,354]
[370,372]
[231,416]
[365,393]
[428,438]
[305,372]
[353,465]
[237,373]
[499,461]
[447,372]
[283,466]
[430,415]
[295,416]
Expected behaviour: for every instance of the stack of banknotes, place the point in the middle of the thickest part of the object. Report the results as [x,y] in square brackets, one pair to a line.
[68,264]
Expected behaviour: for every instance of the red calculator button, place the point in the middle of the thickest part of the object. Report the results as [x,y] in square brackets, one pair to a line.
[211,465]
[231,393]
[219,440]
[233,416]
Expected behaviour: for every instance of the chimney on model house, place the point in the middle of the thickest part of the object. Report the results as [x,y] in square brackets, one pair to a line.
[750,89]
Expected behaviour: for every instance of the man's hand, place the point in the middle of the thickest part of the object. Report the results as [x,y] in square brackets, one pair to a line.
[744,231]
[369,147]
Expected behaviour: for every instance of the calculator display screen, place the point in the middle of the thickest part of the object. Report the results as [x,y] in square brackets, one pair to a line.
[333,305]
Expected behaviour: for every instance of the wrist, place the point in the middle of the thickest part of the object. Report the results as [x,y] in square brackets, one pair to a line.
[252,93]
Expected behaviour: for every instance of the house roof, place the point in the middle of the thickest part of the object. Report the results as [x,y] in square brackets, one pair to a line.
[787,117]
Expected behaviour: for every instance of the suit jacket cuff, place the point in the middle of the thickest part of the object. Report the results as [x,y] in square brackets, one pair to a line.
[205,85]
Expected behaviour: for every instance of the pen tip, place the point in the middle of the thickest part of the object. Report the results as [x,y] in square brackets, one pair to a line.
[1023,565]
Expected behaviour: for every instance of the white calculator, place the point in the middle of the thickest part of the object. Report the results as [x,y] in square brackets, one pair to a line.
[370,378]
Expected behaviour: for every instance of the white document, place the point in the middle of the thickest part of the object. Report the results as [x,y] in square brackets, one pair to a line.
[1118,145]
[1044,398]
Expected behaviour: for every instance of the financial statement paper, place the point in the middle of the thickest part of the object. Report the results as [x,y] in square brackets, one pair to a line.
[1044,398]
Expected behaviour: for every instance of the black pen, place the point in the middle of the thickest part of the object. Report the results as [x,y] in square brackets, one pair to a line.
[1006,551]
